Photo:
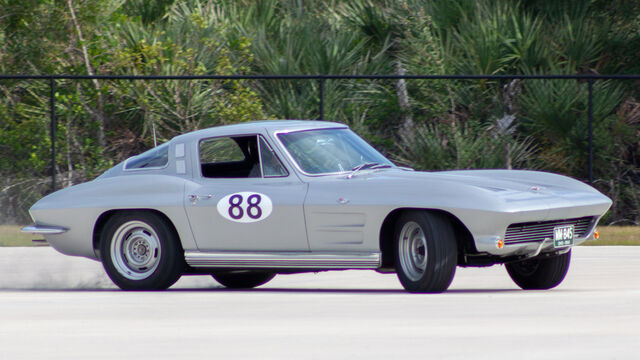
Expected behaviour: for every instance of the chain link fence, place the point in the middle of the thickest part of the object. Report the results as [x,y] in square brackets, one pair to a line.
[41,124]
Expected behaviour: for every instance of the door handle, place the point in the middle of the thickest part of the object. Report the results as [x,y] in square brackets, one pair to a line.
[194,198]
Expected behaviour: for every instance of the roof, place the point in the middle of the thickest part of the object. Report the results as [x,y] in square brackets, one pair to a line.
[259,126]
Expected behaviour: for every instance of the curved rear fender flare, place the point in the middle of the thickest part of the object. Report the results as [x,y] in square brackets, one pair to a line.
[465,242]
[105,216]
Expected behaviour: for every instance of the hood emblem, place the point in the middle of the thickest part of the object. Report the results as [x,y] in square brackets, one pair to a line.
[536,188]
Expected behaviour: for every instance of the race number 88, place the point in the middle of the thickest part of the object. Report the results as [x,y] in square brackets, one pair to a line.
[245,207]
[253,209]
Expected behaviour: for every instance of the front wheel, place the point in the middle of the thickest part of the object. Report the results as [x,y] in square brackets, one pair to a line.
[426,251]
[243,279]
[540,273]
[140,251]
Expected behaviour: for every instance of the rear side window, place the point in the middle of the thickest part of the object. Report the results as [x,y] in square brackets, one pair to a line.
[157,157]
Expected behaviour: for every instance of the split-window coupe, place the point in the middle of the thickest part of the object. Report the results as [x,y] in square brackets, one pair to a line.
[248,201]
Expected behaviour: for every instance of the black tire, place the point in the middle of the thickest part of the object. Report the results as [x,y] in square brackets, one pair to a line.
[243,279]
[140,251]
[426,251]
[540,273]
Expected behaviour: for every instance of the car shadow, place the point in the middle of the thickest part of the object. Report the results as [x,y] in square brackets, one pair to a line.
[342,291]
[18,289]
[267,290]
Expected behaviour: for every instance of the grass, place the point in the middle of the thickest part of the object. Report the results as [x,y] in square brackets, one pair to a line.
[617,235]
[10,235]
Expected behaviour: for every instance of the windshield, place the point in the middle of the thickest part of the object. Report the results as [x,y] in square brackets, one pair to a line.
[329,151]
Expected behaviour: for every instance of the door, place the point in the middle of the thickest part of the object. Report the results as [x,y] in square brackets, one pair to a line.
[245,199]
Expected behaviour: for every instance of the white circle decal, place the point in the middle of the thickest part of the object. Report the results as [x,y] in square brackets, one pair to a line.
[245,207]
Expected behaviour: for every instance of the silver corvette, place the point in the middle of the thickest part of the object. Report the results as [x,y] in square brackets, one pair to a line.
[246,202]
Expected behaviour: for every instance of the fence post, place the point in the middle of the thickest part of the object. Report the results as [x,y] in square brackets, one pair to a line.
[321,89]
[590,114]
[54,125]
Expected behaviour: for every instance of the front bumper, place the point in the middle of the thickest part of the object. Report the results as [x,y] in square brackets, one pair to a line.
[44,230]
[488,245]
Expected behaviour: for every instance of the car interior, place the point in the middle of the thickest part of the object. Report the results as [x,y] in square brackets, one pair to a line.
[230,157]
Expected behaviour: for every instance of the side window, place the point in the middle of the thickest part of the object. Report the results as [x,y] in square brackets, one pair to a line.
[271,165]
[230,157]
[220,150]
[155,158]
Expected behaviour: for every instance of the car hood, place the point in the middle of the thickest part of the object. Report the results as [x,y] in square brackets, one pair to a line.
[501,181]
[498,190]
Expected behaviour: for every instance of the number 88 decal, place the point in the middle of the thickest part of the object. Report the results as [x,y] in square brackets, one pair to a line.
[245,207]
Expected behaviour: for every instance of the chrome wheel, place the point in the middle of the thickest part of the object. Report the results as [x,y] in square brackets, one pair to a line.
[135,250]
[426,251]
[413,250]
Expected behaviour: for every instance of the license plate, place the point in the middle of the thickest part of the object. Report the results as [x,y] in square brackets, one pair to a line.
[563,236]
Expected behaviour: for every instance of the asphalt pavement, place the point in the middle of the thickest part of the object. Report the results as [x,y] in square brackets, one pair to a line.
[57,307]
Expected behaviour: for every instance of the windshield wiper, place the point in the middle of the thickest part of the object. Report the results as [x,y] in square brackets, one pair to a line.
[364,166]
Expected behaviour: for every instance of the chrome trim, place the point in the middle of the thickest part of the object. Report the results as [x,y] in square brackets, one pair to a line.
[165,166]
[260,163]
[487,245]
[534,232]
[264,138]
[194,198]
[370,260]
[544,242]
[44,230]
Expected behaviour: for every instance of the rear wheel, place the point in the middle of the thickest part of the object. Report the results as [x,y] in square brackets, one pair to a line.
[426,251]
[140,251]
[540,273]
[243,279]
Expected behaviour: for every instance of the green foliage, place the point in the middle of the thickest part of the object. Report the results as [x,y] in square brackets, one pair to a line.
[24,146]
[454,124]
[175,107]
[147,11]
[442,147]
[304,44]
[580,43]
[556,113]
[498,37]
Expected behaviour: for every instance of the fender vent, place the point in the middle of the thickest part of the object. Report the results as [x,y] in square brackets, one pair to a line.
[538,231]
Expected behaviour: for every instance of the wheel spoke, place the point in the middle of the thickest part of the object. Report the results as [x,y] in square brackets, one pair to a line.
[413,250]
[135,250]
